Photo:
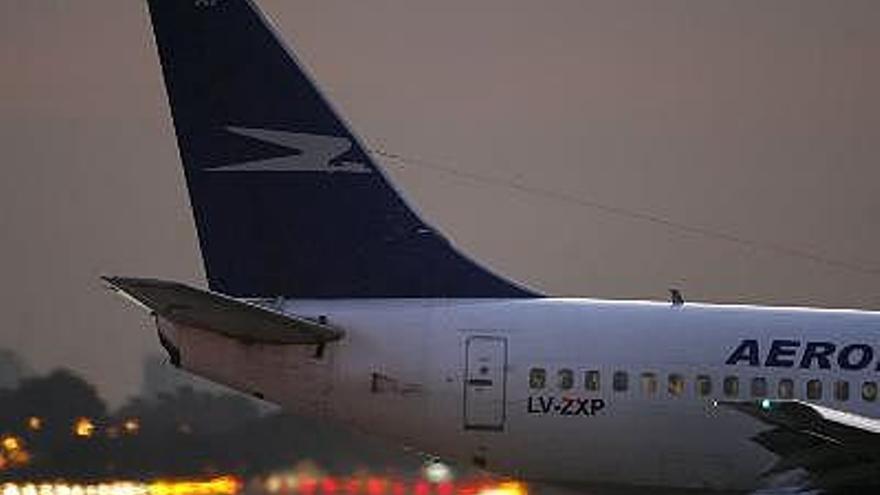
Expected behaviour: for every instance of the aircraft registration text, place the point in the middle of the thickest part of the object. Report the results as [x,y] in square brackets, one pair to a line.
[564,406]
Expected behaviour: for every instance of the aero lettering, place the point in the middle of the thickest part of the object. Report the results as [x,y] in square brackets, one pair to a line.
[786,353]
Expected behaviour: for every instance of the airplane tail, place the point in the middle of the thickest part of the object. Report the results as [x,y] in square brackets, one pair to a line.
[285,198]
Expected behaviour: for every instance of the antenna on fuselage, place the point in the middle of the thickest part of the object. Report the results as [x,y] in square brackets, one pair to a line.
[676,298]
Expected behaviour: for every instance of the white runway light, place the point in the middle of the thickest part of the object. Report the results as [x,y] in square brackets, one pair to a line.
[438,472]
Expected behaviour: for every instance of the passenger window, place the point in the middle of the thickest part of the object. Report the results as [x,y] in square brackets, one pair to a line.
[814,390]
[565,379]
[869,391]
[786,388]
[676,385]
[759,387]
[591,381]
[841,390]
[703,385]
[731,386]
[649,384]
[537,378]
[620,381]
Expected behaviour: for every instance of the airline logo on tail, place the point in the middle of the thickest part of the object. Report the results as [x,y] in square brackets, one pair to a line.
[309,153]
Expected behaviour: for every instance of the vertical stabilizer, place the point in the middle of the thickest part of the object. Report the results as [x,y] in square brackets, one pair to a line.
[286,201]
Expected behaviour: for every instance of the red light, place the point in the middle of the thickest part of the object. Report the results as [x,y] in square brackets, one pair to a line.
[353,486]
[445,488]
[375,486]
[329,486]
[422,488]
[308,486]
[469,489]
[397,488]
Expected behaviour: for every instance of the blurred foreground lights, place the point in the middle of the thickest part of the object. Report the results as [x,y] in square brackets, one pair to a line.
[83,427]
[224,485]
[437,472]
[13,453]
[509,488]
[34,423]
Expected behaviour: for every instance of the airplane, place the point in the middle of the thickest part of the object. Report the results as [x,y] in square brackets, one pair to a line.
[328,294]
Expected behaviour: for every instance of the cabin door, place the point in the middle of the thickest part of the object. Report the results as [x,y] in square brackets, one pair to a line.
[485,382]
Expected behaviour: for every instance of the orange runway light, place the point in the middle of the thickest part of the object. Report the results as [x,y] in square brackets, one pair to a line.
[11,443]
[83,427]
[508,488]
[19,458]
[224,485]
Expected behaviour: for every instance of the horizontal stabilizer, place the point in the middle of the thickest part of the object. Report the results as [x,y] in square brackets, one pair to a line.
[214,312]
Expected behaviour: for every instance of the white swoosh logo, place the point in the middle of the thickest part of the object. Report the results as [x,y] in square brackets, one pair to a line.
[314,153]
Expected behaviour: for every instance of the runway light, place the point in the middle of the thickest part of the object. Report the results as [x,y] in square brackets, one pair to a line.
[292,481]
[307,485]
[83,427]
[224,485]
[375,486]
[34,423]
[353,486]
[329,486]
[437,472]
[509,488]
[11,444]
[273,484]
[422,488]
[19,458]
[131,426]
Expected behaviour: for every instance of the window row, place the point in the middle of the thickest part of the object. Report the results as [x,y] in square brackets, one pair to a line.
[676,385]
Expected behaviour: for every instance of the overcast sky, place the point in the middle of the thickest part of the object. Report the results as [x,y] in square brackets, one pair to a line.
[754,120]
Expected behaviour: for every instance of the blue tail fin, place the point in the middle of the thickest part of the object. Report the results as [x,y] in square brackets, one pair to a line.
[286,201]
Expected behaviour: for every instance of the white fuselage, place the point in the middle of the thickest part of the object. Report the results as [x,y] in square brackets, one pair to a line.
[462,379]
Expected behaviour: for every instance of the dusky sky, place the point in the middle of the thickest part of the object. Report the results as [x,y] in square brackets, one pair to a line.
[750,119]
